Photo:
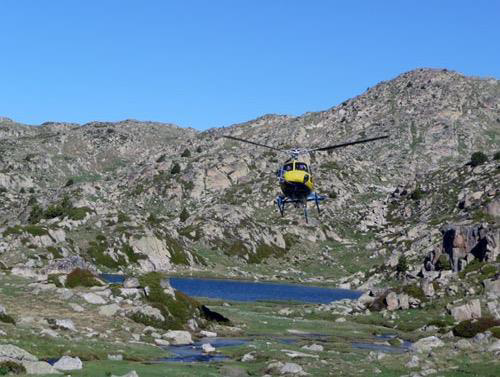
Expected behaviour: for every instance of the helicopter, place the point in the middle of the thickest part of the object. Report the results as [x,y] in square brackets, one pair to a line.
[295,177]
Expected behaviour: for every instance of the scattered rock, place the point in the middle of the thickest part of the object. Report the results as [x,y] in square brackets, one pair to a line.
[207,348]
[162,342]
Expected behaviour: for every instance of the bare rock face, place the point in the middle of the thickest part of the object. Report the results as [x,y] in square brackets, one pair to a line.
[158,255]
[467,311]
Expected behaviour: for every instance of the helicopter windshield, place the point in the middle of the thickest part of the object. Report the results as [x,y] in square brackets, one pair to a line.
[288,167]
[300,166]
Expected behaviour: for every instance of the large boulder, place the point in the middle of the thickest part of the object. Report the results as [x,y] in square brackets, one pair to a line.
[467,311]
[68,363]
[426,344]
[178,337]
[13,352]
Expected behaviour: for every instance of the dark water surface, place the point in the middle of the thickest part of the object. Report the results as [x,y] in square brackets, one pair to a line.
[235,290]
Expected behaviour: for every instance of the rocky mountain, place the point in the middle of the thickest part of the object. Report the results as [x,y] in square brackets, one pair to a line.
[412,220]
[160,196]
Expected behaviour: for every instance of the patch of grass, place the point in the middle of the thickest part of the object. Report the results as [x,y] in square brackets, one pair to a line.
[469,328]
[35,230]
[56,253]
[265,251]
[415,291]
[97,251]
[122,217]
[475,265]
[495,331]
[178,255]
[16,229]
[81,278]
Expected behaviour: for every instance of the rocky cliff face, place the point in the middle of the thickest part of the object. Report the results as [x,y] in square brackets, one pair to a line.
[147,196]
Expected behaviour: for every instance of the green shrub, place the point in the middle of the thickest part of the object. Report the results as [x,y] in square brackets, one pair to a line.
[177,311]
[122,217]
[5,318]
[176,169]
[69,182]
[81,278]
[495,331]
[153,220]
[496,156]
[443,263]
[415,291]
[469,328]
[402,265]
[199,150]
[184,215]
[162,158]
[11,367]
[478,158]
[186,153]
[36,214]
[35,230]
[418,194]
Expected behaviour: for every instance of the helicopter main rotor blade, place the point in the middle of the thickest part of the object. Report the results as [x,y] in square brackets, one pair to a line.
[252,142]
[348,143]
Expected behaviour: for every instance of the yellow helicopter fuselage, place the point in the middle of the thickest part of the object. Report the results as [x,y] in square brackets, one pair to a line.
[296,180]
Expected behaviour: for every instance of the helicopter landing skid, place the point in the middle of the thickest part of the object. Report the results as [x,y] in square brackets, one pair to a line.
[282,200]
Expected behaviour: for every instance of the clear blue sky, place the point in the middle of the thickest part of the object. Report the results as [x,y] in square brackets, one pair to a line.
[218,62]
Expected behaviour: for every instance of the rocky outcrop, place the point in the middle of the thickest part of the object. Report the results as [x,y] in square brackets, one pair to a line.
[466,242]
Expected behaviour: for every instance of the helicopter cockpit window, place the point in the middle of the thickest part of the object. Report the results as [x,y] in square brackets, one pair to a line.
[300,166]
[288,167]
